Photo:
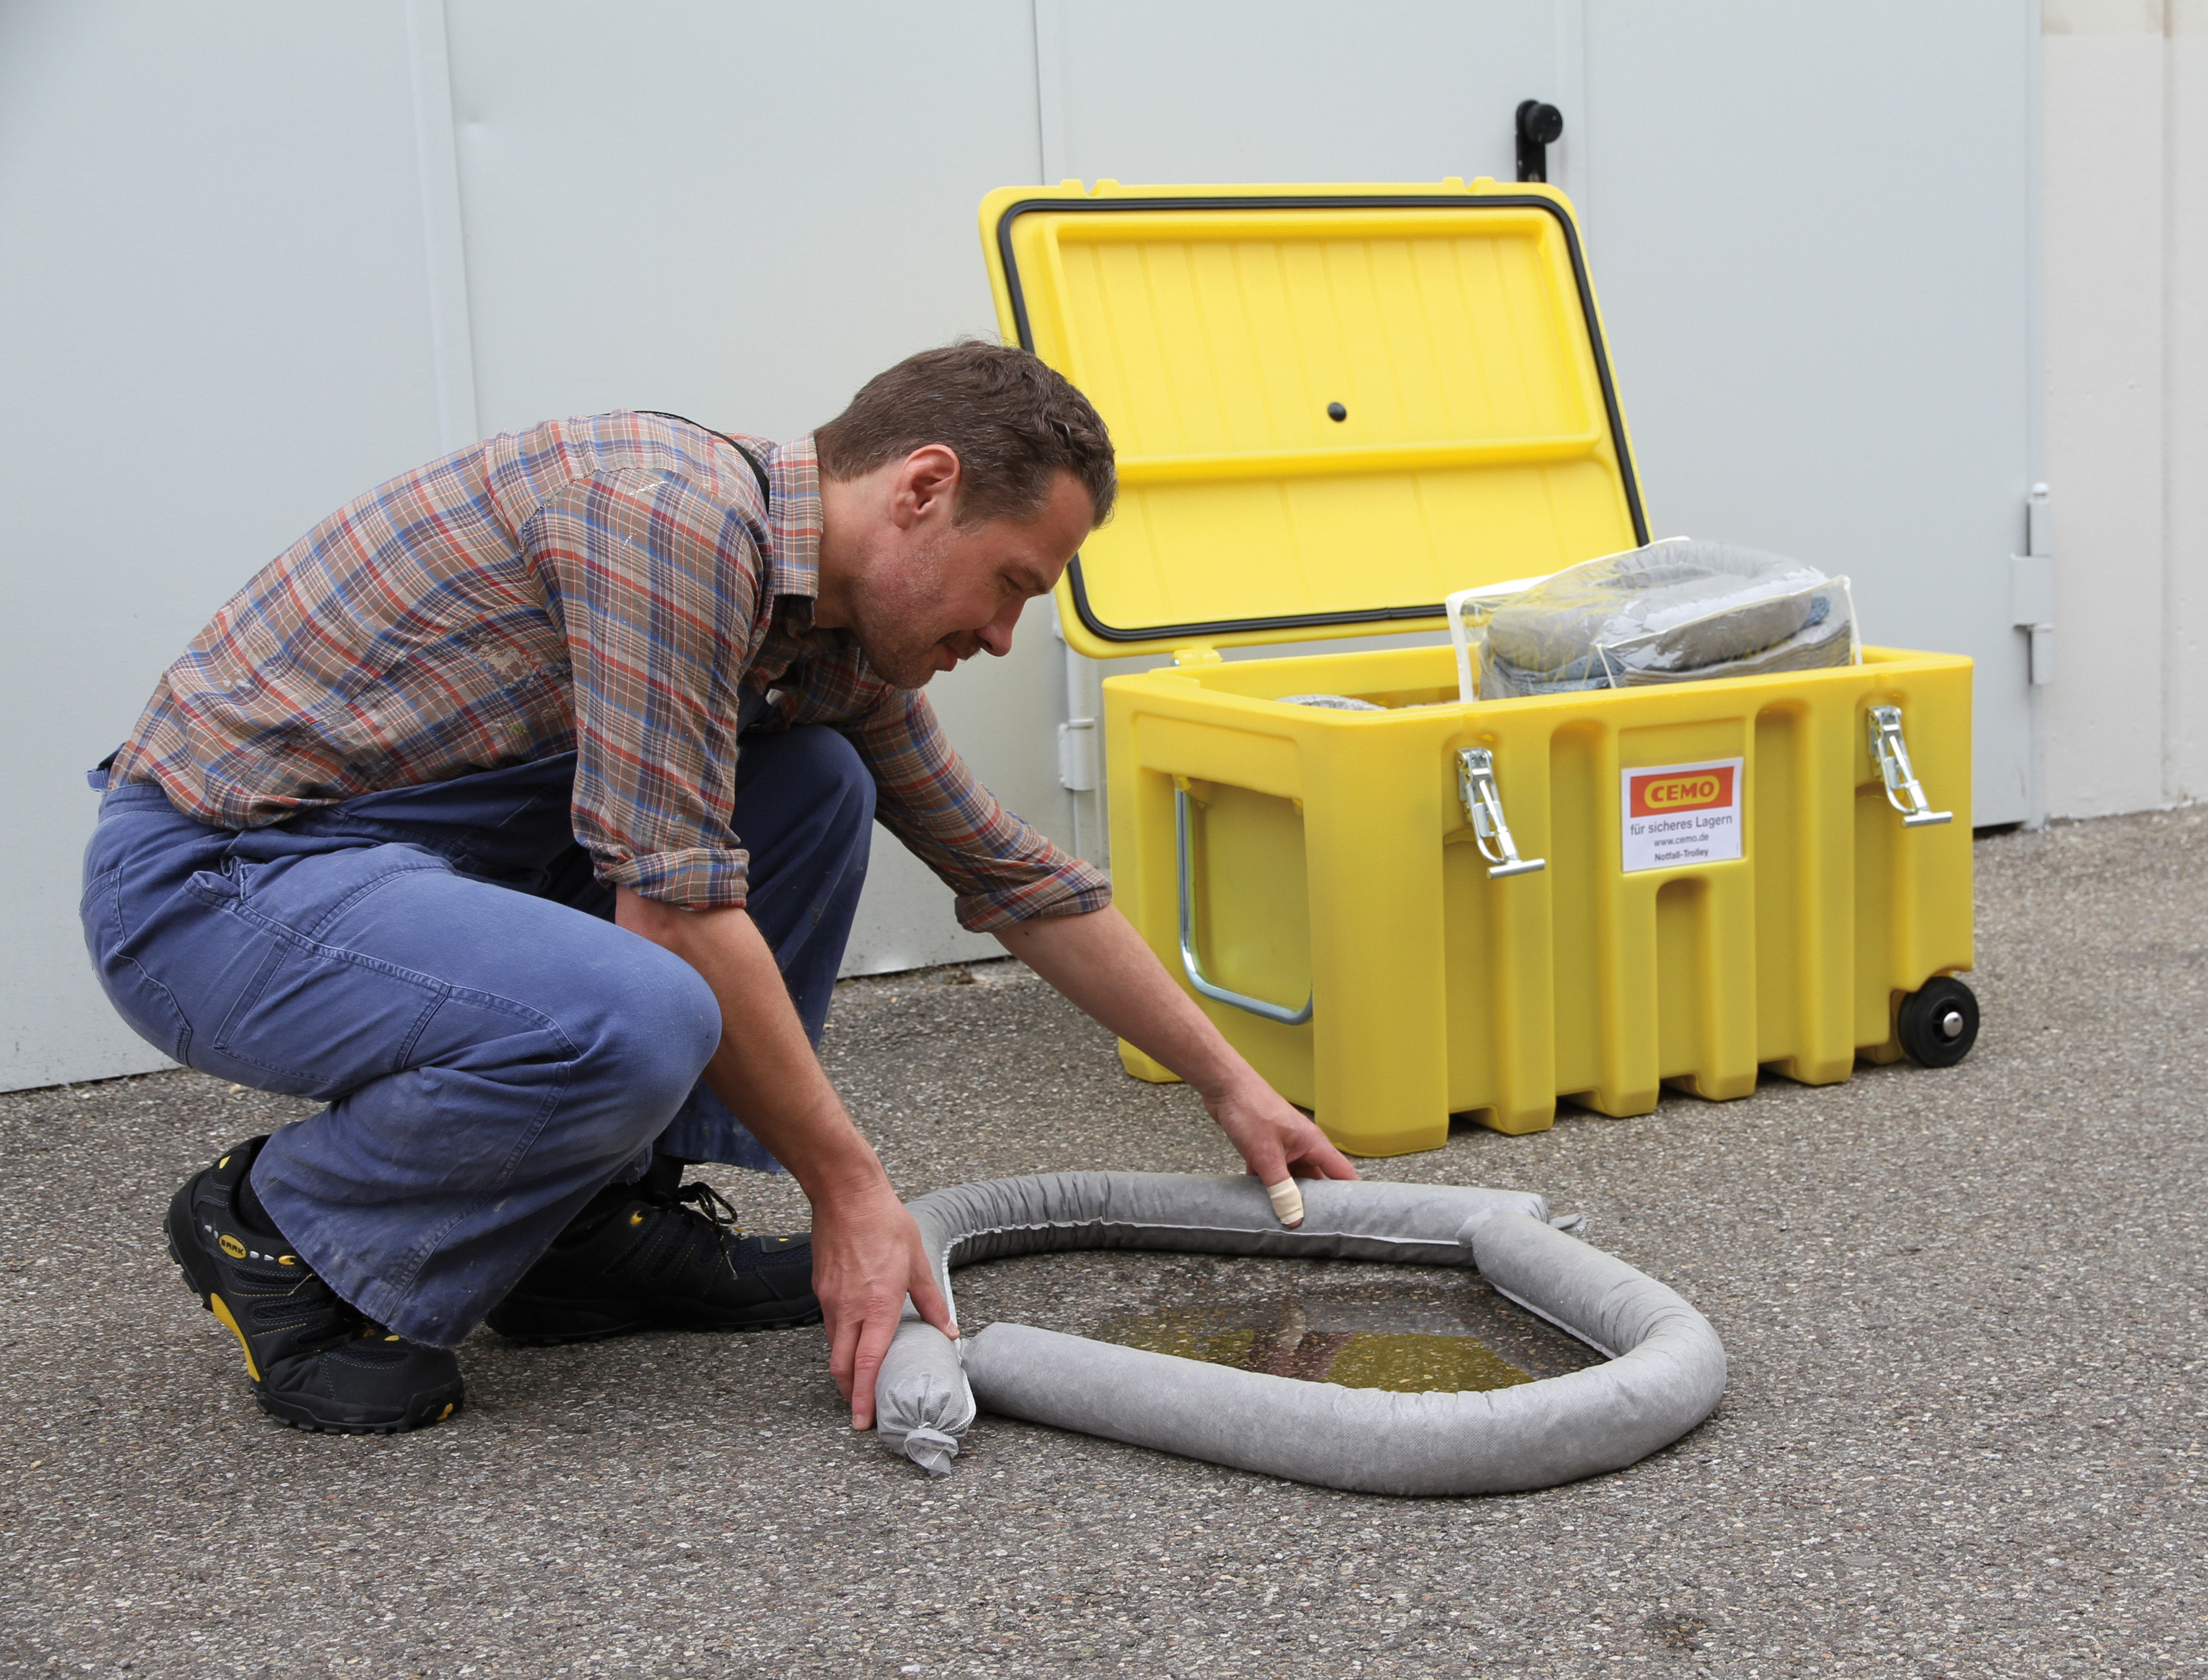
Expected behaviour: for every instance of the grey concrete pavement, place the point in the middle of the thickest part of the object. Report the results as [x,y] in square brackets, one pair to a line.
[1964,1434]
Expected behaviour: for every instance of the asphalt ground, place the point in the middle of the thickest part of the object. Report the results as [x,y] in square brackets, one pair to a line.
[1964,1433]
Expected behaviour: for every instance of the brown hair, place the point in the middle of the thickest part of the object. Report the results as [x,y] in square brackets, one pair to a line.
[1013,421]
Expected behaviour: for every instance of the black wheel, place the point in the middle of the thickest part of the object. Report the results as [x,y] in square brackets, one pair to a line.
[1939,1024]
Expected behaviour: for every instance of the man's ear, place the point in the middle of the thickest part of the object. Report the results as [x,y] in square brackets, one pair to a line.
[926,482]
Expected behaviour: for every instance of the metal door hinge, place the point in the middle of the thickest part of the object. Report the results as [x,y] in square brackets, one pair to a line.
[1483,808]
[1076,755]
[2031,588]
[2038,523]
[1890,753]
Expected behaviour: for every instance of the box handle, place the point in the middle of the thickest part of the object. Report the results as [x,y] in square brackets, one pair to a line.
[1891,754]
[1475,786]
[1189,961]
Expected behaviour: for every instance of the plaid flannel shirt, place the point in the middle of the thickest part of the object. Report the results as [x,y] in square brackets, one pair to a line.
[604,586]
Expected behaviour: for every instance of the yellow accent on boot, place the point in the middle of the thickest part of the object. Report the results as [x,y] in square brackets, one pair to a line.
[230,1245]
[220,1308]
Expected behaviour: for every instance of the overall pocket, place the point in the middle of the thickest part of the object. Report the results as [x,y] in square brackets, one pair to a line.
[297,1015]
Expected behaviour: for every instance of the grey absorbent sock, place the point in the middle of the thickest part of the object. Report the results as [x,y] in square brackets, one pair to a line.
[1665,1373]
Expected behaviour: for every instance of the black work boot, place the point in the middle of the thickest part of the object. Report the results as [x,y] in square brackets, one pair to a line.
[659,1255]
[315,1362]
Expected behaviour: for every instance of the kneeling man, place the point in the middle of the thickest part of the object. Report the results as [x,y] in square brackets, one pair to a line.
[519,812]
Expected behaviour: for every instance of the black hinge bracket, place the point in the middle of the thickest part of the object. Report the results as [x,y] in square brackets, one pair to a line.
[1539,127]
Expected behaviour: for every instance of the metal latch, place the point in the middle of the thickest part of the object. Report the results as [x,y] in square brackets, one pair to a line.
[1475,786]
[1890,753]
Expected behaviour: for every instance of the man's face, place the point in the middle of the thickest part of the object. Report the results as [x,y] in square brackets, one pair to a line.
[946,592]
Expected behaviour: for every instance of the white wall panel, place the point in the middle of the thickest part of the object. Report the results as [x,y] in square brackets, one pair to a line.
[1162,91]
[213,282]
[1818,313]
[2104,278]
[1810,227]
[741,213]
[2127,373]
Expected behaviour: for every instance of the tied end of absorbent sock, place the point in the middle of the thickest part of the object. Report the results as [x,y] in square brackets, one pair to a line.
[930,1448]
[1287,1203]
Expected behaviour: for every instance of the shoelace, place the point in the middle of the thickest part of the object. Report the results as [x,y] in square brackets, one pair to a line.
[719,1215]
[712,1205]
[344,1323]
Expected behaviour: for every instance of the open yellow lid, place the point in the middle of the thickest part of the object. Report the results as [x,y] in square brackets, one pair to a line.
[1333,405]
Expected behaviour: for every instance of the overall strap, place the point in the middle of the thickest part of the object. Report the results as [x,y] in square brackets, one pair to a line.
[757,466]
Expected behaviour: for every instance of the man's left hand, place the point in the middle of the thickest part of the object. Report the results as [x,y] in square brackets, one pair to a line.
[1100,963]
[1276,1139]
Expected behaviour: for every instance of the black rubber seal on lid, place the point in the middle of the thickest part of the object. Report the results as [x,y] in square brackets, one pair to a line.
[1471,201]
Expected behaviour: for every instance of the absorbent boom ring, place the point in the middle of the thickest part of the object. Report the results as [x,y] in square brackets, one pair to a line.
[1665,1374]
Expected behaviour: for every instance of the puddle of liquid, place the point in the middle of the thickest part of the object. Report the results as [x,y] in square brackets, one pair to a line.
[1281,1340]
[1410,1329]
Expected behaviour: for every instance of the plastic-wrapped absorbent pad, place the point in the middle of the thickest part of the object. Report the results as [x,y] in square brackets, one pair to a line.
[1677,611]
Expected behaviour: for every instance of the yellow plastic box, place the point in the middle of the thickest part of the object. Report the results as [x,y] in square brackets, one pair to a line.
[1334,406]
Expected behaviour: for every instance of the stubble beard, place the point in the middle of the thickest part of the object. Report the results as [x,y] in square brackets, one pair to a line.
[894,614]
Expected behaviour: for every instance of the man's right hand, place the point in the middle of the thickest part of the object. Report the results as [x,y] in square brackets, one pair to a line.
[866,1254]
[866,1258]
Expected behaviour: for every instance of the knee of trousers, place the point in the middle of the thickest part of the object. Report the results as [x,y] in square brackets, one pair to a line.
[648,1042]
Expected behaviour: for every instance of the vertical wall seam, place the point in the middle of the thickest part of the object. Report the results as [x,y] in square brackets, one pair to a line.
[1050,92]
[2186,526]
[436,154]
[1574,176]
[2173,596]
[1090,837]
[2035,392]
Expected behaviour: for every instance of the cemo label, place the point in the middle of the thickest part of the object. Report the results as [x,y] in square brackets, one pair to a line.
[1676,814]
[1660,793]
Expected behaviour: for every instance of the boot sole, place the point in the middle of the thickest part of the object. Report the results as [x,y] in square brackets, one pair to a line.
[420,1414]
[419,1411]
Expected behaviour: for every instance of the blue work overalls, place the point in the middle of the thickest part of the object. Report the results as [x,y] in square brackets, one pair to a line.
[439,966]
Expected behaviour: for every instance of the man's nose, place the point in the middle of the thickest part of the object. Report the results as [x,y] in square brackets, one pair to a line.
[997,635]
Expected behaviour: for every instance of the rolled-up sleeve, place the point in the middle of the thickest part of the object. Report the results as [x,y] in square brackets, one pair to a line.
[655,582]
[1002,869]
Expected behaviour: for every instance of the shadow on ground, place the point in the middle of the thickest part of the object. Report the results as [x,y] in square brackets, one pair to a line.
[1963,1437]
